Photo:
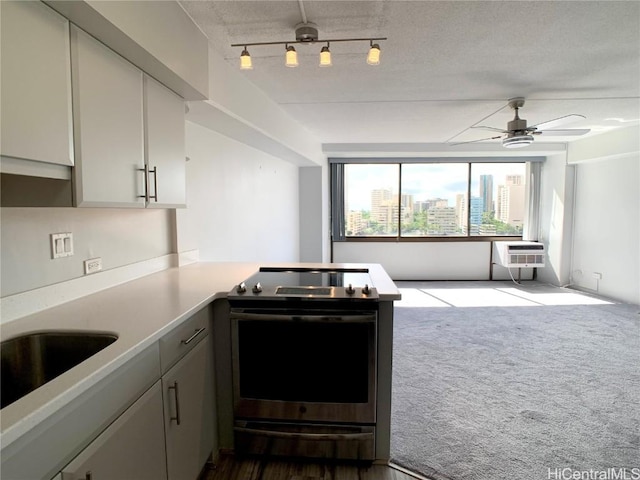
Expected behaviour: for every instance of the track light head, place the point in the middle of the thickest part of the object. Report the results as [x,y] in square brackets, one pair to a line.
[245,60]
[373,58]
[291,57]
[325,56]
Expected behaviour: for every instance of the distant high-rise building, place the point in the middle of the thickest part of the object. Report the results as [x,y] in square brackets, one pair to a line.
[510,204]
[420,206]
[406,203]
[380,200]
[355,223]
[486,192]
[442,221]
[435,202]
[475,219]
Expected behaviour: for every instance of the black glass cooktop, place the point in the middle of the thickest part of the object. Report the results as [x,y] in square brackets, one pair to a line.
[277,283]
[310,278]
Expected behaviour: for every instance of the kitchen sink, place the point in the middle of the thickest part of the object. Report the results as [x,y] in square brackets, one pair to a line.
[31,360]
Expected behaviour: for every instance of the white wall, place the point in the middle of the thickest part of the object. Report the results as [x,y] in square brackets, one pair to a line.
[119,236]
[556,210]
[606,229]
[242,204]
[314,214]
[427,260]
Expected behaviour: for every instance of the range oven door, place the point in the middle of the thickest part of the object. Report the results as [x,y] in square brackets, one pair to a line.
[304,366]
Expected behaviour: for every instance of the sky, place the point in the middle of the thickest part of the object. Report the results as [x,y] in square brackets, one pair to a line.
[424,181]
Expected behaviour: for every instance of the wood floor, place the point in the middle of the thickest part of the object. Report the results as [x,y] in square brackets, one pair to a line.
[229,468]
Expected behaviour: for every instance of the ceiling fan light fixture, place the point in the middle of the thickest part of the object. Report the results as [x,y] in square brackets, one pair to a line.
[373,57]
[325,56]
[291,57]
[517,141]
[245,60]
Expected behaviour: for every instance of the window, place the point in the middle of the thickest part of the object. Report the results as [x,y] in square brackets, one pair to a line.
[433,195]
[371,200]
[416,200]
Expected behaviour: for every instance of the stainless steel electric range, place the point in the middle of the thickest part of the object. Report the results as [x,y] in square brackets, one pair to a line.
[304,363]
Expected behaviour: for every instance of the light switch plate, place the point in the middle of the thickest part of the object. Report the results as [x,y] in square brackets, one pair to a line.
[61,245]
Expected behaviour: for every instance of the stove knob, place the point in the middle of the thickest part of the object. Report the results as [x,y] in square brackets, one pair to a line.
[257,288]
[350,290]
[366,290]
[241,288]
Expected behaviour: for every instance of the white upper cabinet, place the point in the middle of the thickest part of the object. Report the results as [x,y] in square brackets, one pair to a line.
[108,125]
[129,132]
[36,84]
[164,145]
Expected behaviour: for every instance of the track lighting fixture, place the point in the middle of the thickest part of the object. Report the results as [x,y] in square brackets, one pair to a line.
[308,33]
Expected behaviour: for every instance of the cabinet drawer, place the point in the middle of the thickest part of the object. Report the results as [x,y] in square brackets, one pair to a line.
[181,340]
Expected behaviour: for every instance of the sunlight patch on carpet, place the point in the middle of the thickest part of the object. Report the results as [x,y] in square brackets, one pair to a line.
[478,297]
[412,297]
[556,298]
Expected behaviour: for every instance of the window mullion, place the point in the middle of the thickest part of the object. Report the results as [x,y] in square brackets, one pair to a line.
[469,201]
[399,201]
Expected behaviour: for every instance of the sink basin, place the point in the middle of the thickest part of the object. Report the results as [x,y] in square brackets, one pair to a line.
[29,361]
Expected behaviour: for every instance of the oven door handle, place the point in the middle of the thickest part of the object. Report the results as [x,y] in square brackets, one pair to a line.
[306,436]
[327,317]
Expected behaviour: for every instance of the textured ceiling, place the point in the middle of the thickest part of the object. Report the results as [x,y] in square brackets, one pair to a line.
[447,65]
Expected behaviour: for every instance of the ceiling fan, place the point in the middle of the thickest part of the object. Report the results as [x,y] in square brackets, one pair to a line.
[518,134]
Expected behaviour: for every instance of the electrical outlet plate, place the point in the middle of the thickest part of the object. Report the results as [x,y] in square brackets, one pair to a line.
[61,245]
[92,265]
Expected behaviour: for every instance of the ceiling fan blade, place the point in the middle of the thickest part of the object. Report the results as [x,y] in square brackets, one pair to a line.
[558,121]
[570,132]
[492,129]
[476,141]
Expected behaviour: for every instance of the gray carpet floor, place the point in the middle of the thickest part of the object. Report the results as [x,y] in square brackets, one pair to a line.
[495,381]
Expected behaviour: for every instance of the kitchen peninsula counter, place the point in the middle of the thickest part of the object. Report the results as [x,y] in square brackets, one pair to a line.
[140,312]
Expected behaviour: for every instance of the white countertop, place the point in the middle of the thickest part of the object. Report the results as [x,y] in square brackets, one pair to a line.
[140,312]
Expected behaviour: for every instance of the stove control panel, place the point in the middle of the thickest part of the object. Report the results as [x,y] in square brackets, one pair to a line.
[282,293]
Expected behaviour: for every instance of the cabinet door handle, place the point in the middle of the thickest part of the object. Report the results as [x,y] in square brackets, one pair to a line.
[146,183]
[190,339]
[174,387]
[155,183]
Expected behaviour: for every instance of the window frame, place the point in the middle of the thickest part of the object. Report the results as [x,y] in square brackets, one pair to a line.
[337,198]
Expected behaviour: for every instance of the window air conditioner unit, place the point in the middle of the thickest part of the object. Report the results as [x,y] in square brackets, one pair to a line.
[520,254]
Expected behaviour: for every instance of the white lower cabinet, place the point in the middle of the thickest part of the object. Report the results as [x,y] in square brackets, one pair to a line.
[189,412]
[170,431]
[132,447]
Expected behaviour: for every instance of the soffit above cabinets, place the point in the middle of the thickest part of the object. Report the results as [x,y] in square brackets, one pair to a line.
[158,37]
